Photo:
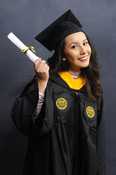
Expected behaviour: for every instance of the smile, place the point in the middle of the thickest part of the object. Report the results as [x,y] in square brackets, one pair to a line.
[85,58]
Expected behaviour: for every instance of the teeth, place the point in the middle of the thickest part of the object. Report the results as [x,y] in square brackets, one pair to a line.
[85,58]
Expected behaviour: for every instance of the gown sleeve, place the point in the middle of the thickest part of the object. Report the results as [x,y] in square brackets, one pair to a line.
[100,110]
[101,138]
[24,111]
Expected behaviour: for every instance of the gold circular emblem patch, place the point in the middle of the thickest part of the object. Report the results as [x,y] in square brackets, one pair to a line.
[61,103]
[90,111]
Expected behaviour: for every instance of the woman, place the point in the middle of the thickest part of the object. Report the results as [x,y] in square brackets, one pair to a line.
[60,110]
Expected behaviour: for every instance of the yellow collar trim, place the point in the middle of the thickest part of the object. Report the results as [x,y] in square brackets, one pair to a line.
[75,84]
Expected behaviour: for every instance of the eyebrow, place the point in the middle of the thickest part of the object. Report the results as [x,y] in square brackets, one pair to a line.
[74,42]
[85,39]
[77,42]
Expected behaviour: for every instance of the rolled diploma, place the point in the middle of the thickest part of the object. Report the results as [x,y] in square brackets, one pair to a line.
[22,46]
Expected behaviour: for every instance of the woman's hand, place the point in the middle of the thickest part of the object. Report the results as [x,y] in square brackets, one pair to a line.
[42,71]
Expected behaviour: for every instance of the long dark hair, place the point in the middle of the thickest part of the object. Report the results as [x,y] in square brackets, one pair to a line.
[91,73]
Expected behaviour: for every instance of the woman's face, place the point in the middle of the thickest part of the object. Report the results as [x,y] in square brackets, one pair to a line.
[77,51]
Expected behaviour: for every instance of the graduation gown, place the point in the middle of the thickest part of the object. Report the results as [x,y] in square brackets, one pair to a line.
[62,137]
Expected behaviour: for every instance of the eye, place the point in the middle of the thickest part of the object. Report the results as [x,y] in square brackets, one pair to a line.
[74,46]
[85,43]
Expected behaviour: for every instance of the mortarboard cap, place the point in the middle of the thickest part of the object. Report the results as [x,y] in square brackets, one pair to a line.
[58,30]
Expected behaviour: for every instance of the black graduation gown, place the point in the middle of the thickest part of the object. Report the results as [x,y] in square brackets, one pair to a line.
[62,138]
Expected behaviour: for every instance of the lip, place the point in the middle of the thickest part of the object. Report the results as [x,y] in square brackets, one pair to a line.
[84,58]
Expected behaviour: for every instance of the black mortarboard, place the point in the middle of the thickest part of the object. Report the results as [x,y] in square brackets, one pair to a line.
[58,30]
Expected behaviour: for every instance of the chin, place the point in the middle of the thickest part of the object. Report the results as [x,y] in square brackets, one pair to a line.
[83,65]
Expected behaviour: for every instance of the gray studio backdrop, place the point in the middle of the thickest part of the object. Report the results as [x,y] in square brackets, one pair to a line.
[26,18]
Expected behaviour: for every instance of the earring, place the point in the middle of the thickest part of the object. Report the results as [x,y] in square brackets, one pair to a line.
[63,59]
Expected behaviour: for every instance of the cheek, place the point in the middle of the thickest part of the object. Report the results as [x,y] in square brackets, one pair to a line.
[71,57]
[89,49]
[72,54]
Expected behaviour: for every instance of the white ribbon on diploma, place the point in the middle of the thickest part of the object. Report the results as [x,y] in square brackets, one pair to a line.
[26,50]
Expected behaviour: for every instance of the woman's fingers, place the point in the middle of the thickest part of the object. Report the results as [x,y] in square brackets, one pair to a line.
[40,65]
[41,68]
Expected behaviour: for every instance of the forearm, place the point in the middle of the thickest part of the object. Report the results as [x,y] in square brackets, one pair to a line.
[42,86]
[41,91]
[40,103]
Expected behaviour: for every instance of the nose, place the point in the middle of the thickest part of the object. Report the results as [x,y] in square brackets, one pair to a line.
[82,50]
